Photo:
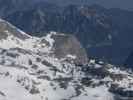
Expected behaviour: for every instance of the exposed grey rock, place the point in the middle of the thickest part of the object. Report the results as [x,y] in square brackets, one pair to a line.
[69,45]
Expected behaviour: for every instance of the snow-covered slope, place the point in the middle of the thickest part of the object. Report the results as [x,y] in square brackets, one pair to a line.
[29,70]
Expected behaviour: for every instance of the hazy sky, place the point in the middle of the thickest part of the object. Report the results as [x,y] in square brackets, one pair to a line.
[125,4]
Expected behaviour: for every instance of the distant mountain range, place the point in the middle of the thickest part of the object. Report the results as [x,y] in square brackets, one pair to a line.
[105,33]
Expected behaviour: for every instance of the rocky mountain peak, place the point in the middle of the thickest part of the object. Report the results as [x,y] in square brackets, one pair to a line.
[56,64]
